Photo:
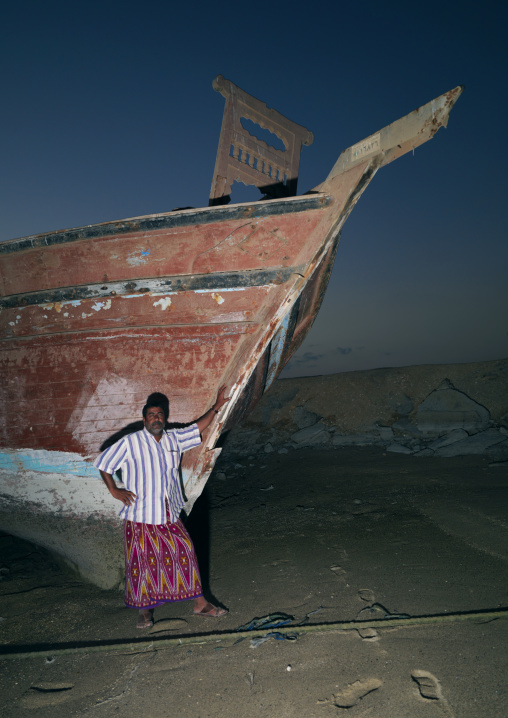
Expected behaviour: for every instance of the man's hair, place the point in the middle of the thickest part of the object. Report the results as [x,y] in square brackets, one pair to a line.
[158,400]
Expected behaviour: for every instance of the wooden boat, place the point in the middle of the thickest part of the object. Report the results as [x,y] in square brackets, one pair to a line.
[96,318]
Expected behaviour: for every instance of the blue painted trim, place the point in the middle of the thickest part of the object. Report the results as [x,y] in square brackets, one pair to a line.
[48,462]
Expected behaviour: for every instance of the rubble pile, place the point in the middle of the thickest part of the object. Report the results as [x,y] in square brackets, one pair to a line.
[445,410]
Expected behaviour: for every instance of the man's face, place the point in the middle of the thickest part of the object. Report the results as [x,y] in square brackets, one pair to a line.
[155,420]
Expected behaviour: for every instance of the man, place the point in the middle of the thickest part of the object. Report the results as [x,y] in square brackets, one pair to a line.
[160,561]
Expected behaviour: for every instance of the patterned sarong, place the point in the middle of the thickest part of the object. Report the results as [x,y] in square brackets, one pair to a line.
[160,564]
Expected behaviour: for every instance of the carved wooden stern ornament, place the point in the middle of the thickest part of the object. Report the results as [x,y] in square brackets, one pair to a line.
[242,157]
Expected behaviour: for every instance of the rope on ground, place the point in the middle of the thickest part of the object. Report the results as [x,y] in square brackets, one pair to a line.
[156,643]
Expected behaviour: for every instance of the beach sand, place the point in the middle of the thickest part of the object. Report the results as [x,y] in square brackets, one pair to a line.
[339,535]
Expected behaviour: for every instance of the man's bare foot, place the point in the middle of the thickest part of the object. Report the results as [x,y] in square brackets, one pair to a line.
[145,618]
[209,610]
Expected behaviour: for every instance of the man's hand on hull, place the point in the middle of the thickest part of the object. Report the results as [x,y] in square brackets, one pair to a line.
[204,421]
[221,399]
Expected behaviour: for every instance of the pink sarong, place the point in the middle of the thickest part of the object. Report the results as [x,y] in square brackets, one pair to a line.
[160,564]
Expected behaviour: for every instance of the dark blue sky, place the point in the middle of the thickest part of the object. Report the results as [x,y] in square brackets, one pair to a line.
[108,112]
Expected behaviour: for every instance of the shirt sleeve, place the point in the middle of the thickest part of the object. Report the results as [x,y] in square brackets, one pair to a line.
[112,458]
[188,437]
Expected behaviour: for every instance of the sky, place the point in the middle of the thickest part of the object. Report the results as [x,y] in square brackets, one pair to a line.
[108,112]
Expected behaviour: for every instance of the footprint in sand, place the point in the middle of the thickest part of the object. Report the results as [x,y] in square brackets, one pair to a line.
[367,595]
[338,571]
[430,689]
[428,684]
[368,634]
[354,692]
[47,694]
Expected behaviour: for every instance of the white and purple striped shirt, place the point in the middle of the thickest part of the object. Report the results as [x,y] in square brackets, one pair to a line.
[150,470]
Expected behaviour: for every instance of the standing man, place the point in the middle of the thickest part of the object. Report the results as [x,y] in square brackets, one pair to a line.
[160,561]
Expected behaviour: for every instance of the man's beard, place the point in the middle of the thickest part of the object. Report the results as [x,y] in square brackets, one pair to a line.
[155,428]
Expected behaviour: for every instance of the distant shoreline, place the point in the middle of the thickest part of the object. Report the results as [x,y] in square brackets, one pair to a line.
[392,368]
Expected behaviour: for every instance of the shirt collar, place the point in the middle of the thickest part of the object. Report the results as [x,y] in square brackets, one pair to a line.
[147,436]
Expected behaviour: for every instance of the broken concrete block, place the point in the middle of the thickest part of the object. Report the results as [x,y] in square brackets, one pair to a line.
[406,427]
[385,432]
[399,449]
[303,417]
[476,444]
[446,408]
[316,434]
[449,438]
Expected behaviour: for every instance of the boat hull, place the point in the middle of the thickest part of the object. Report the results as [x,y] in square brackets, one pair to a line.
[198,307]
[94,319]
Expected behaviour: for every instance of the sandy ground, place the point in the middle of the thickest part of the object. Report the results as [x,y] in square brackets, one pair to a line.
[334,532]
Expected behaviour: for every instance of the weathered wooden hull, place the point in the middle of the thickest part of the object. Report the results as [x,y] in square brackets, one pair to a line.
[95,319]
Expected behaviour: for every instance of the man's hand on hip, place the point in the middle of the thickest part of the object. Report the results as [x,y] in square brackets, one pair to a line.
[126,497]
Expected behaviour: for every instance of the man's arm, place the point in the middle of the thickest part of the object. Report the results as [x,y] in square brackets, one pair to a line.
[204,421]
[126,497]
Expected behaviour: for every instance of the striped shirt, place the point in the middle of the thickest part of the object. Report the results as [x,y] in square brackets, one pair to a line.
[150,470]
